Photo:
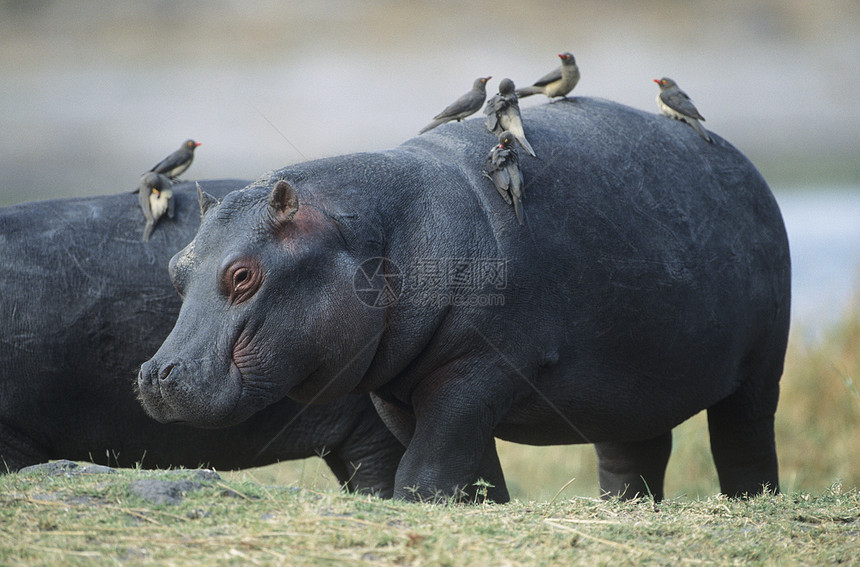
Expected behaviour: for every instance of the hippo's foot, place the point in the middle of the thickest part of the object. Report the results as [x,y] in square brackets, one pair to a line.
[633,469]
[487,486]
[744,455]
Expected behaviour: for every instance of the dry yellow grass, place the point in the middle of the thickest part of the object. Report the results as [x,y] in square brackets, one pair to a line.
[101,519]
[818,422]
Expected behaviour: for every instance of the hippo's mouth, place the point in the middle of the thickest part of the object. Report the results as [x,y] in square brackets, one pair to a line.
[192,393]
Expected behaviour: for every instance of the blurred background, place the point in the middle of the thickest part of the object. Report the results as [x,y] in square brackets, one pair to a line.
[92,94]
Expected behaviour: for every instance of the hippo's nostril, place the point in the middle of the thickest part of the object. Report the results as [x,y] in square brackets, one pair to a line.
[165,372]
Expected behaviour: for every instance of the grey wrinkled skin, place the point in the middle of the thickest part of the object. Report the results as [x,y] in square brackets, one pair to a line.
[651,281]
[85,302]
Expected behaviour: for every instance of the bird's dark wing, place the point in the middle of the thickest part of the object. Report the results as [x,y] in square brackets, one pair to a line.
[472,100]
[516,176]
[679,101]
[502,178]
[169,162]
[550,77]
[492,108]
[511,101]
[494,105]
[501,157]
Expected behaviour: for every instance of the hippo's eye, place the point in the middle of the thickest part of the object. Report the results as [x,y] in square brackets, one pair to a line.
[240,275]
[241,280]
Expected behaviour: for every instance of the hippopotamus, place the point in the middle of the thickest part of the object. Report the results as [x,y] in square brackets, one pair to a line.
[650,281]
[85,302]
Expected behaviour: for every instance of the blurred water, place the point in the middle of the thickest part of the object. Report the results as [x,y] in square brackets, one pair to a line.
[93,93]
[823,227]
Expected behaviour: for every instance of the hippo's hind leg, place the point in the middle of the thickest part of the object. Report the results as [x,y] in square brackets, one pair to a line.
[742,439]
[630,469]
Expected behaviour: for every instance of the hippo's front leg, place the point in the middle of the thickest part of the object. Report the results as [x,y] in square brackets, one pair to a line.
[453,446]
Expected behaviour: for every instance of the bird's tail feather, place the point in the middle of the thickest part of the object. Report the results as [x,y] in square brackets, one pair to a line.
[526,146]
[431,125]
[701,130]
[529,91]
[147,230]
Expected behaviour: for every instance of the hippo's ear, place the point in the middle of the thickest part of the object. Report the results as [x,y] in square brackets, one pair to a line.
[283,201]
[206,200]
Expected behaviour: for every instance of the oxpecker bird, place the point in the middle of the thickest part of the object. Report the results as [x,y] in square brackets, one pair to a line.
[503,113]
[503,169]
[176,163]
[557,83]
[675,103]
[464,106]
[155,195]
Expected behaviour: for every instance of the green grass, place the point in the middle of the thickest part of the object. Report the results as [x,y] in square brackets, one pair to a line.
[86,519]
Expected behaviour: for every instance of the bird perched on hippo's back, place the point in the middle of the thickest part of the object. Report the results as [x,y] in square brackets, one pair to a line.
[558,82]
[464,106]
[675,103]
[503,113]
[155,195]
[503,169]
[176,163]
